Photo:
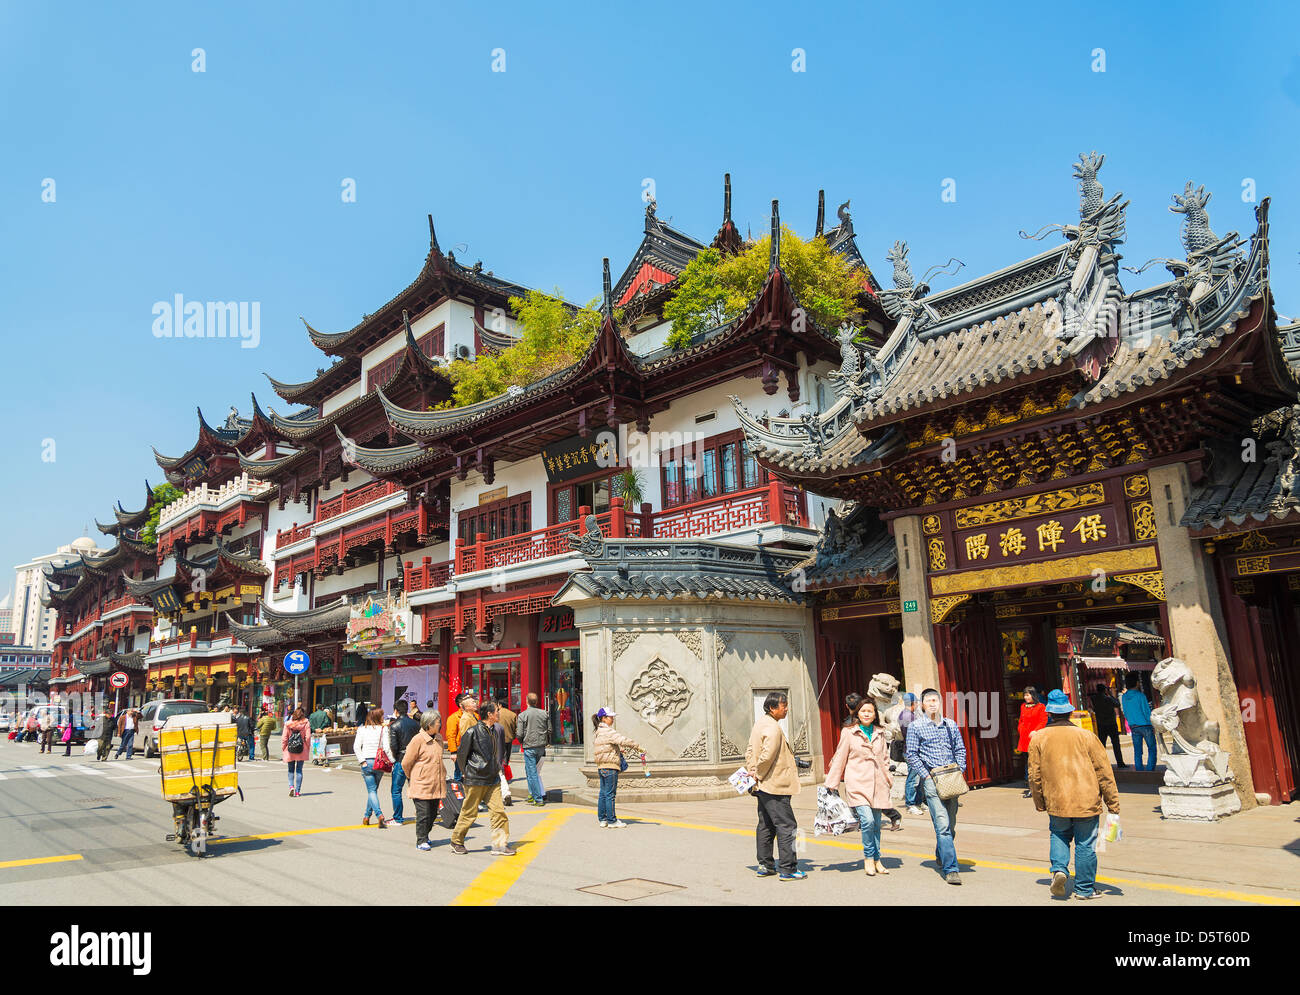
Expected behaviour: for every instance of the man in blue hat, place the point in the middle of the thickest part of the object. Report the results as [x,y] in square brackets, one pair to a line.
[1071,780]
[910,793]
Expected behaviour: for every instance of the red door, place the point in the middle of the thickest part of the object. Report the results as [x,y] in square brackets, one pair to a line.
[970,679]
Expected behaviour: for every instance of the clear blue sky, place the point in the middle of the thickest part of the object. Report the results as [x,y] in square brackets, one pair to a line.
[225,185]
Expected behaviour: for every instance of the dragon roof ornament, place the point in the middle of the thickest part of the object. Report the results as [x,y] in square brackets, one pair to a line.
[1101,221]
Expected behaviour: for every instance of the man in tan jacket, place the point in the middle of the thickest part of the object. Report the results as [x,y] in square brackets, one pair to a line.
[1070,778]
[771,761]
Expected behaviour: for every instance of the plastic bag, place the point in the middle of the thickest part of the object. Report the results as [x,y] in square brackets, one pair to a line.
[89,749]
[1113,832]
[834,817]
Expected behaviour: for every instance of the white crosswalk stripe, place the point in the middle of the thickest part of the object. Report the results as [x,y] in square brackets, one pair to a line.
[36,771]
[84,769]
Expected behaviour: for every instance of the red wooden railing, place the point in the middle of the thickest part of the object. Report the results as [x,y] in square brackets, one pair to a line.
[428,574]
[355,498]
[122,602]
[774,502]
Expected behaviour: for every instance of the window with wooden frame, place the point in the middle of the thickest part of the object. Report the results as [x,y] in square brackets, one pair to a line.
[593,491]
[430,344]
[496,519]
[722,464]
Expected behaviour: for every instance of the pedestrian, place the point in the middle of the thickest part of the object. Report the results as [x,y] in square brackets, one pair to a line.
[244,730]
[480,763]
[534,731]
[1033,716]
[266,726]
[295,747]
[770,760]
[934,741]
[102,733]
[911,787]
[508,722]
[1137,713]
[422,762]
[1071,780]
[466,715]
[46,726]
[319,719]
[607,750]
[370,743]
[861,761]
[127,724]
[1104,707]
[401,730]
[65,736]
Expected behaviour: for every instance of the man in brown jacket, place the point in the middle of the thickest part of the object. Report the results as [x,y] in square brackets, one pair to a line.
[1070,777]
[770,759]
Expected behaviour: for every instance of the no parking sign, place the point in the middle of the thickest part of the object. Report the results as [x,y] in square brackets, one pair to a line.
[118,680]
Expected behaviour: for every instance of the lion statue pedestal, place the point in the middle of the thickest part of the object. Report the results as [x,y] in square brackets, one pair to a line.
[1199,784]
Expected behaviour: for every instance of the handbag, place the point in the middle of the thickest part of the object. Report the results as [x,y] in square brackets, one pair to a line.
[949,781]
[381,764]
[622,762]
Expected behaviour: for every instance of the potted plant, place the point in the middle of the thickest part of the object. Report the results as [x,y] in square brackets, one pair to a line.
[630,486]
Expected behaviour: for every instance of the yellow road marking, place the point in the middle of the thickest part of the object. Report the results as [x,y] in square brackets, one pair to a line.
[287,832]
[491,886]
[1236,896]
[39,860]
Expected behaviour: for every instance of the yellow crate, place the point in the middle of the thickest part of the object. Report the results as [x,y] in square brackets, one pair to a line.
[196,736]
[179,760]
[177,786]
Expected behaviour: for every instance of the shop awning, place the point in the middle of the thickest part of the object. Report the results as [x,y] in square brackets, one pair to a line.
[1115,663]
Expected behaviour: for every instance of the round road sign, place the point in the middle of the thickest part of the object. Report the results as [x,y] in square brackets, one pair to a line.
[119,679]
[296,662]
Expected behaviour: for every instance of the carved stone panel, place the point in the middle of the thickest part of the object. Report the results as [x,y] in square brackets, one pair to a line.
[659,695]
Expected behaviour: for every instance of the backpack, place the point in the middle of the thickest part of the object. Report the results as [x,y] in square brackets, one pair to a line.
[295,744]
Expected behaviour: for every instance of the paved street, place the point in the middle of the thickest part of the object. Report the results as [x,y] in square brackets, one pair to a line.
[79,832]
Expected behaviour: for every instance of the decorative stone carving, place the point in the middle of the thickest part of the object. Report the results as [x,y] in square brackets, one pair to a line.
[591,543]
[801,740]
[793,639]
[1198,780]
[659,695]
[619,642]
[730,749]
[698,750]
[883,690]
[693,640]
[719,644]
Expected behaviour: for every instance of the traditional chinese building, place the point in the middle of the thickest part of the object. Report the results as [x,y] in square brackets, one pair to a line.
[1038,450]
[101,627]
[527,472]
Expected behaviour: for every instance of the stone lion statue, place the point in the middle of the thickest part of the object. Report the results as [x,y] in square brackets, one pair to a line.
[1180,713]
[883,690]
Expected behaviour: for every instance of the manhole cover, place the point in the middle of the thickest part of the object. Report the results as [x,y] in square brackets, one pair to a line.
[630,889]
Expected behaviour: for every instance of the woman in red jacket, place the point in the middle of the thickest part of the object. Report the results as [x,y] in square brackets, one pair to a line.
[1033,716]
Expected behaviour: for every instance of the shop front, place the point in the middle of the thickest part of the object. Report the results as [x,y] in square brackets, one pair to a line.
[561,691]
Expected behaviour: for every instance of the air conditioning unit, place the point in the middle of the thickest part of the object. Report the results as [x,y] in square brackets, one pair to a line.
[462,352]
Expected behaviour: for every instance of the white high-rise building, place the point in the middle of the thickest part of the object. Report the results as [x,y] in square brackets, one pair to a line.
[33,624]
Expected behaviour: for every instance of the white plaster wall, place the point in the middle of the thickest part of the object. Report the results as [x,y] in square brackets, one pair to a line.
[526,475]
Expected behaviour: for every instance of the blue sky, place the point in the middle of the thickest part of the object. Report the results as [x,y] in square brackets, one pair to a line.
[225,184]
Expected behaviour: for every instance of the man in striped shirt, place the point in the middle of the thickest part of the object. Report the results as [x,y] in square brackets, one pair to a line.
[933,741]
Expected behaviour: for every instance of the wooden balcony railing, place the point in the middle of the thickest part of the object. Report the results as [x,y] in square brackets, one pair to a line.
[347,501]
[775,502]
[427,575]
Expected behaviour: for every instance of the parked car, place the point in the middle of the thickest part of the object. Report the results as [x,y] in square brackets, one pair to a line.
[6,722]
[156,712]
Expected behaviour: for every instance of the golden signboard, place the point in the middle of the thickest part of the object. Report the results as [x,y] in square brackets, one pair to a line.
[1047,503]
[1066,568]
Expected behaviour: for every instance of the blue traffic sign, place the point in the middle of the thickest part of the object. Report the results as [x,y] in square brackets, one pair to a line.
[297,662]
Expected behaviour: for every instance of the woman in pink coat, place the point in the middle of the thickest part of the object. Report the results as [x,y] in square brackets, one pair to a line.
[299,725]
[862,763]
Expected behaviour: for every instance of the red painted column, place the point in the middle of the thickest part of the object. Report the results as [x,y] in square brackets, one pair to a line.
[617,522]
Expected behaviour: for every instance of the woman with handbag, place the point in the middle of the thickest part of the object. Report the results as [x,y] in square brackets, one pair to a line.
[426,775]
[935,747]
[66,737]
[607,750]
[295,746]
[372,750]
[862,762]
